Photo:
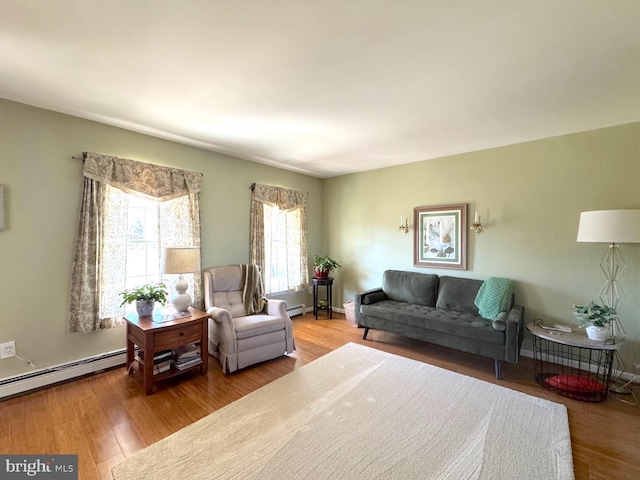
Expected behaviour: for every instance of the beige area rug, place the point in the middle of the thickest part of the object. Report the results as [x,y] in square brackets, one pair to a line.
[358,413]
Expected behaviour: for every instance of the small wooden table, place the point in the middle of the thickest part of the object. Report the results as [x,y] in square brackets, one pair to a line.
[328,283]
[163,332]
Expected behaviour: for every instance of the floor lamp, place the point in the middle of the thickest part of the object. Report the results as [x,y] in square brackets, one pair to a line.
[612,227]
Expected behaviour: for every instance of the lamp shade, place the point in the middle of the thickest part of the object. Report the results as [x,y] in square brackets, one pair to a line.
[180,260]
[610,226]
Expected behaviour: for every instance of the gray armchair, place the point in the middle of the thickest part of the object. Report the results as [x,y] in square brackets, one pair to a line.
[245,328]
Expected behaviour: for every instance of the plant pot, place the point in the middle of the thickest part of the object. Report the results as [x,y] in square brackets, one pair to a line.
[598,333]
[321,273]
[145,308]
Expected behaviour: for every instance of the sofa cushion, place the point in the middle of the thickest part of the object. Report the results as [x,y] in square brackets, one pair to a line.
[447,322]
[226,279]
[385,309]
[458,294]
[252,325]
[230,300]
[226,284]
[411,287]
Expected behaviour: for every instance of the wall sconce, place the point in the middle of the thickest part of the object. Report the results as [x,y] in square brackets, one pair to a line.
[404,224]
[477,224]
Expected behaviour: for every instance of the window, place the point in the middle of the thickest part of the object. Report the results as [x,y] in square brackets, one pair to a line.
[135,230]
[282,250]
[131,247]
[143,252]
[279,237]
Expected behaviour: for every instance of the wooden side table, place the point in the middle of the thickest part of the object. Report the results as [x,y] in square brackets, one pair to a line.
[162,332]
[572,365]
[328,283]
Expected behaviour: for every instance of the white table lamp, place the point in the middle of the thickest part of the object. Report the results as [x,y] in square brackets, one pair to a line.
[180,260]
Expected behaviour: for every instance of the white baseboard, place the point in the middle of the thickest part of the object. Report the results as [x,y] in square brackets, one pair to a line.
[296,310]
[60,373]
[526,353]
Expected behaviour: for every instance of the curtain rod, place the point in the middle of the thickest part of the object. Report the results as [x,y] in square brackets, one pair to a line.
[84,157]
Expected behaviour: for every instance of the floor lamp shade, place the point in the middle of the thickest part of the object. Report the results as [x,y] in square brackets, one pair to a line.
[179,260]
[609,226]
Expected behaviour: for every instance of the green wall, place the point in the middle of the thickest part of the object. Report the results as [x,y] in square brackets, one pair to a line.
[529,195]
[43,187]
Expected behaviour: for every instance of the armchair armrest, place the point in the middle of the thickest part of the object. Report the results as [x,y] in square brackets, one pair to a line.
[360,299]
[277,308]
[225,330]
[220,315]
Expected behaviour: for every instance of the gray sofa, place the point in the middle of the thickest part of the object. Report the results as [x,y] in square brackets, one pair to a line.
[441,310]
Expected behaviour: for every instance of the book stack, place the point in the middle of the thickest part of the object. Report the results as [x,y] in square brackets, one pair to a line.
[162,360]
[186,357]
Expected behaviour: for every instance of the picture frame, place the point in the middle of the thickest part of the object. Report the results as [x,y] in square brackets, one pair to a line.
[440,236]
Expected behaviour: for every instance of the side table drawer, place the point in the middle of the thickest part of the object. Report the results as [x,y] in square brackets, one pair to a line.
[179,336]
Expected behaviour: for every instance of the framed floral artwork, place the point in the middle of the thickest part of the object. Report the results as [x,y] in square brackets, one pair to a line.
[440,236]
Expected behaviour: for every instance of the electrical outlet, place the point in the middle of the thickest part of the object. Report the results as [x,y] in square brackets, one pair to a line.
[7,350]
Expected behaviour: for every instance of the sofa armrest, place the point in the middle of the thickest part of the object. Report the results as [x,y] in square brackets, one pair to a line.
[514,331]
[359,301]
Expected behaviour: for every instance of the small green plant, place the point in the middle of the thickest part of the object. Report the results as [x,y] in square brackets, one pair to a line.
[145,293]
[592,314]
[325,263]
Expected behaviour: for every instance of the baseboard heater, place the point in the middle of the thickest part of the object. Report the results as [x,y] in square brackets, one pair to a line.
[60,373]
[295,310]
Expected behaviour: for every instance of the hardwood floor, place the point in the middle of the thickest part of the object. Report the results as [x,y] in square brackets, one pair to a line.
[106,417]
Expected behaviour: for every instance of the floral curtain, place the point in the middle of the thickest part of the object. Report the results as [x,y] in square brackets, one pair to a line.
[99,262]
[286,200]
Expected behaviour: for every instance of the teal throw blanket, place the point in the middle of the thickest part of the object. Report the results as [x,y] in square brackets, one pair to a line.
[494,297]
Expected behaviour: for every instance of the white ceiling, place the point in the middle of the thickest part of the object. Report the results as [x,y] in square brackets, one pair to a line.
[329,87]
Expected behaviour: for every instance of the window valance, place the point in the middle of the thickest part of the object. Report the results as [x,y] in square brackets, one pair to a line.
[144,179]
[285,199]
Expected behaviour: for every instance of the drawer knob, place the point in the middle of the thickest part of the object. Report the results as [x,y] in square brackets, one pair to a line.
[182,334]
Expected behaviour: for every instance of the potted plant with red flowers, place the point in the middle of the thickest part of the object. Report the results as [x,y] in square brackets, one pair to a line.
[323,265]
